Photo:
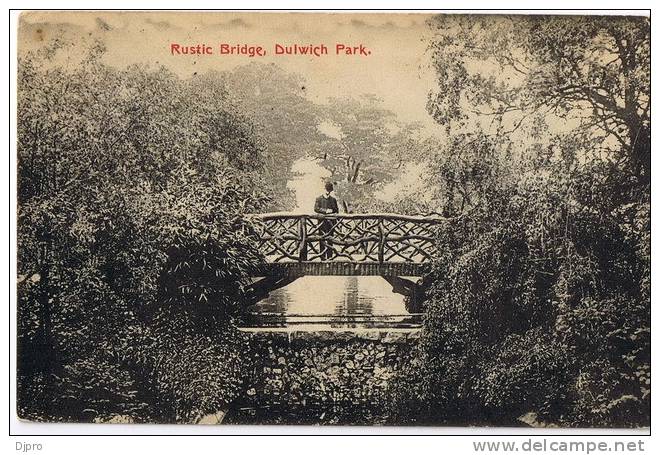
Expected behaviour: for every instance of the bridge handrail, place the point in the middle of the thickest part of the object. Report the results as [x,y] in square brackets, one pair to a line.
[318,216]
[353,237]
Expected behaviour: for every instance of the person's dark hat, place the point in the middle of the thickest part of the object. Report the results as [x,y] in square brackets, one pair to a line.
[329,186]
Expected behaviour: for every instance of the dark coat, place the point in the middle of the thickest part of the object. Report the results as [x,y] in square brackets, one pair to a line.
[323,202]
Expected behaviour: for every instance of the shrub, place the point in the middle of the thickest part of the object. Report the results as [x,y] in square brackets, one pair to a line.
[538,303]
[131,191]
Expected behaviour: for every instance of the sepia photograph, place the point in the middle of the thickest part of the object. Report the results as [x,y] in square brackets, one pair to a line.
[382,219]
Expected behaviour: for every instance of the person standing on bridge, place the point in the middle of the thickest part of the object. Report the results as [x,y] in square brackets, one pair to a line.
[326,205]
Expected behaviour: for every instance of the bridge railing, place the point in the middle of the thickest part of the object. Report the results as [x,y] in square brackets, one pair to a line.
[361,238]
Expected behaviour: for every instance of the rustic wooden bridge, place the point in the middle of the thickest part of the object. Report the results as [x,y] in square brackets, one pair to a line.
[396,247]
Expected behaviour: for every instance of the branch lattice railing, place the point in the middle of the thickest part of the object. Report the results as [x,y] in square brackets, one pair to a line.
[359,238]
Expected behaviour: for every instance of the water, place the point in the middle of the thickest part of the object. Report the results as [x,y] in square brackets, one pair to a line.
[333,302]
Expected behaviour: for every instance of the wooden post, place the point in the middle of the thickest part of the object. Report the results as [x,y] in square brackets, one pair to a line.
[381,241]
[302,230]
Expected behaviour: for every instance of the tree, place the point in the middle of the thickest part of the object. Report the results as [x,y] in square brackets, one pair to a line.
[540,299]
[587,74]
[131,191]
[277,104]
[367,149]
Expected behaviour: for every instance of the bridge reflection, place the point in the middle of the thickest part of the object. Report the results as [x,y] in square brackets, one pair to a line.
[335,302]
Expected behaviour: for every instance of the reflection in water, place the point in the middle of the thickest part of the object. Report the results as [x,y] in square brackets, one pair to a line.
[333,302]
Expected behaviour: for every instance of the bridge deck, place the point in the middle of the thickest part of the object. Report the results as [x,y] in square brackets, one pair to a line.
[330,268]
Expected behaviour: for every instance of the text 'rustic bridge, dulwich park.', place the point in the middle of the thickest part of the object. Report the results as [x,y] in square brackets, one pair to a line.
[398,248]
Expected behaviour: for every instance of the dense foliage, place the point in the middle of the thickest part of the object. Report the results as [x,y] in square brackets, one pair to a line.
[132,260]
[540,302]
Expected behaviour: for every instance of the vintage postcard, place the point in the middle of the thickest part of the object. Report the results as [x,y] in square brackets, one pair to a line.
[399,219]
